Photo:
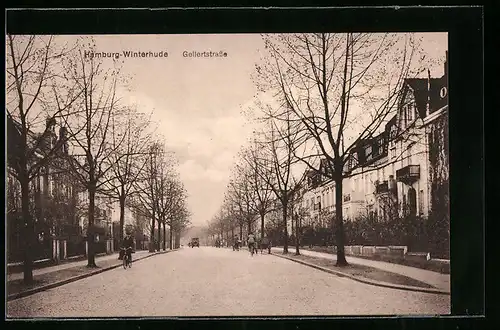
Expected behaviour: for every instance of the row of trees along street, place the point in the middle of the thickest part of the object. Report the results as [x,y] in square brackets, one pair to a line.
[320,95]
[106,148]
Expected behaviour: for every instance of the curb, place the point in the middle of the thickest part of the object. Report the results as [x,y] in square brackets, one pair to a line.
[366,281]
[46,263]
[30,292]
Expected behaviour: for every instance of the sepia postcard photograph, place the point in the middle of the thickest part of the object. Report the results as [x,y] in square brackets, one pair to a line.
[227,175]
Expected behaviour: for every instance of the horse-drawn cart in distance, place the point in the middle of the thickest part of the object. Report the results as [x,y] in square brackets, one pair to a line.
[195,242]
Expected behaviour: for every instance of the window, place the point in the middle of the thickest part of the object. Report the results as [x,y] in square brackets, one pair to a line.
[394,131]
[405,118]
[421,202]
[412,201]
[379,146]
[42,183]
[376,150]
[368,152]
[393,153]
[411,111]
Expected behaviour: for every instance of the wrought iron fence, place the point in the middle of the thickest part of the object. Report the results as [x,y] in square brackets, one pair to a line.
[75,247]
[100,247]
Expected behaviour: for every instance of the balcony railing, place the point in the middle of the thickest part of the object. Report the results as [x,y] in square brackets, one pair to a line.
[382,187]
[408,174]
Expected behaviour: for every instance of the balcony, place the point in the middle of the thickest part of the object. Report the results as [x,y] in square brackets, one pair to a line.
[408,174]
[382,187]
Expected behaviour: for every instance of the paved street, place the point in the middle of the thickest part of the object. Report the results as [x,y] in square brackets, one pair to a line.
[212,282]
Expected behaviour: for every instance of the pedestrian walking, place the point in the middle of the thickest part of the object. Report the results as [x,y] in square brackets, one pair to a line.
[265,244]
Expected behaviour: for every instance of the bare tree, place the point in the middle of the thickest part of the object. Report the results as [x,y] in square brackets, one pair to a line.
[339,89]
[262,191]
[36,93]
[231,213]
[145,200]
[130,138]
[171,205]
[299,213]
[180,219]
[276,166]
[141,223]
[242,198]
[89,128]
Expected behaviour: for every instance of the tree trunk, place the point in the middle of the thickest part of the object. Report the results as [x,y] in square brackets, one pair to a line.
[90,227]
[122,217]
[171,237]
[262,218]
[164,235]
[159,235]
[152,240]
[241,231]
[285,214]
[339,224]
[29,231]
[297,239]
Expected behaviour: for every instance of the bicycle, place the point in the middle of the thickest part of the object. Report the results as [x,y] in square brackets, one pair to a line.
[252,248]
[127,259]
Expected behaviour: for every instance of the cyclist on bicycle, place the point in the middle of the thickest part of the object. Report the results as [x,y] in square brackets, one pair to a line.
[128,245]
[251,242]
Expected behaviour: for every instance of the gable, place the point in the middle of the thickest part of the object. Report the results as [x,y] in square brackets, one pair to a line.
[417,90]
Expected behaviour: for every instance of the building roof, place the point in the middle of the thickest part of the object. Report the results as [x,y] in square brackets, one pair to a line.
[425,89]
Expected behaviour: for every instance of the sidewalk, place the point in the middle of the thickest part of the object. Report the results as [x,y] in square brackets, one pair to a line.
[66,265]
[51,277]
[437,280]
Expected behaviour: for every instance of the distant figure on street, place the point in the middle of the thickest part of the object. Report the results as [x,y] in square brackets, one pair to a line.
[128,245]
[236,243]
[265,243]
[251,243]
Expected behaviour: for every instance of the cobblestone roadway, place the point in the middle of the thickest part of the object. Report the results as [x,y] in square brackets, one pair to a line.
[208,281]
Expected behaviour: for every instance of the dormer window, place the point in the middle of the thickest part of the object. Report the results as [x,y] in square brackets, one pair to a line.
[368,151]
[393,132]
[410,108]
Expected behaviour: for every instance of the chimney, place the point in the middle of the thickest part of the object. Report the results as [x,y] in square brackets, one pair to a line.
[427,108]
[62,138]
[51,124]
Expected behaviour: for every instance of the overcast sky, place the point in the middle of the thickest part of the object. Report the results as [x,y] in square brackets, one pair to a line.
[197,102]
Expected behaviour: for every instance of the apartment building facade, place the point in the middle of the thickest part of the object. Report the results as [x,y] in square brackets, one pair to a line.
[53,193]
[403,169]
